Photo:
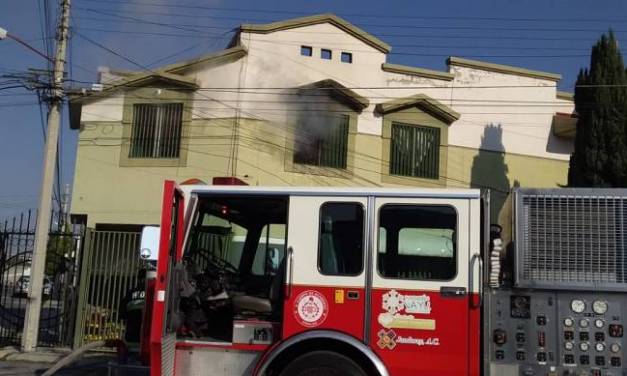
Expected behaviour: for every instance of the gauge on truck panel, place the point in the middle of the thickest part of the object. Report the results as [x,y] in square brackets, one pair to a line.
[578,306]
[520,307]
[599,307]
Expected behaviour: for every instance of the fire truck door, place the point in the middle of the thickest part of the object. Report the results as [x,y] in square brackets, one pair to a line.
[419,313]
[162,331]
[325,281]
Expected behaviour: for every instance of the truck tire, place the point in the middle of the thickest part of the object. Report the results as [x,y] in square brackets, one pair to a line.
[318,363]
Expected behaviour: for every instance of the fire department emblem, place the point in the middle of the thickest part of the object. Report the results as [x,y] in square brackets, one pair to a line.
[387,339]
[310,308]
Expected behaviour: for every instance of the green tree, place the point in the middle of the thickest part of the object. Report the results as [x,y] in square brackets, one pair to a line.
[600,156]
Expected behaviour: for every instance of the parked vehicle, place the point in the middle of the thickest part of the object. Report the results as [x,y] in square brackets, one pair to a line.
[387,282]
[23,284]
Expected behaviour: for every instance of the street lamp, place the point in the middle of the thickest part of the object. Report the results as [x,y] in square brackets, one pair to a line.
[5,34]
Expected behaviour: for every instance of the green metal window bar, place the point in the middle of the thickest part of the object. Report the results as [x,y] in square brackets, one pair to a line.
[415,151]
[156,130]
[326,147]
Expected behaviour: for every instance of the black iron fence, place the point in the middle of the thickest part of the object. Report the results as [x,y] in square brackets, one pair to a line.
[60,287]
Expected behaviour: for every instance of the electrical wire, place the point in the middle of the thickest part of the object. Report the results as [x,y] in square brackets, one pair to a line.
[377,15]
[361,25]
[421,36]
[241,137]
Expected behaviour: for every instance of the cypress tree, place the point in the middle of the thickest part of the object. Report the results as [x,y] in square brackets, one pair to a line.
[600,155]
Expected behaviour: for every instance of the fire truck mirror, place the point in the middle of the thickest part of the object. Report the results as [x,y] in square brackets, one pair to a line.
[149,244]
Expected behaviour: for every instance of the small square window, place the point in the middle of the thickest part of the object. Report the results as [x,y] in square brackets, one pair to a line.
[326,54]
[347,57]
[306,50]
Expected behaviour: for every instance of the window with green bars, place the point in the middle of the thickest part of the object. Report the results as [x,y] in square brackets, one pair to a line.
[415,151]
[156,131]
[323,142]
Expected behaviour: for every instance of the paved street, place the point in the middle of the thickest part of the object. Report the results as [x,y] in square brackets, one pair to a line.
[95,366]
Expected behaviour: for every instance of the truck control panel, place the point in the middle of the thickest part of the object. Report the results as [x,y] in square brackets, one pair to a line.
[563,333]
[560,308]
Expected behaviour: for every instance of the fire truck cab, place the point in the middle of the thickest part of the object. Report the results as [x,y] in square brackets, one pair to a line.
[312,281]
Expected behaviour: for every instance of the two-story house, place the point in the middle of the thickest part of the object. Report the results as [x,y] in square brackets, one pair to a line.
[313,101]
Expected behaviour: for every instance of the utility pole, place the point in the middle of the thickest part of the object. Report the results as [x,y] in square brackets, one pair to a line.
[38,262]
[66,206]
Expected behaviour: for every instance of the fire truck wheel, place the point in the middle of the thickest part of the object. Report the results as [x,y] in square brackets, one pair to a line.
[323,363]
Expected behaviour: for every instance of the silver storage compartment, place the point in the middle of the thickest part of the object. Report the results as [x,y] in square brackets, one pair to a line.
[254,332]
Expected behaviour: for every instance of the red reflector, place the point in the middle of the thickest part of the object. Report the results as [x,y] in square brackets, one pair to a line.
[228,180]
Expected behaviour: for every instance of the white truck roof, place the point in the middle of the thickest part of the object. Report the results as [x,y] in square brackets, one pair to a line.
[335,191]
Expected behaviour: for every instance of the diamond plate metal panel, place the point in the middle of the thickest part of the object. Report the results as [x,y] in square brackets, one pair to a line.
[168,354]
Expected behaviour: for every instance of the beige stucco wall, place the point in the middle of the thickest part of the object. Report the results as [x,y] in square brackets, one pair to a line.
[109,193]
[503,135]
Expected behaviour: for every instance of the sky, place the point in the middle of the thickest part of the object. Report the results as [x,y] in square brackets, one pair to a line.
[550,35]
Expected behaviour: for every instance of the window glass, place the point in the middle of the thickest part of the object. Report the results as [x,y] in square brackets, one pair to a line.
[156,131]
[434,242]
[415,151]
[347,57]
[228,230]
[341,239]
[305,50]
[323,141]
[217,239]
[418,242]
[270,250]
[326,54]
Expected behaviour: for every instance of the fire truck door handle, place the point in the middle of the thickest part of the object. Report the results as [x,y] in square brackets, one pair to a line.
[480,277]
[290,270]
[452,292]
[481,281]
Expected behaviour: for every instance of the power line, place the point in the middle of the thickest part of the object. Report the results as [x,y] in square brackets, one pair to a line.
[362,25]
[148,69]
[195,28]
[374,15]
[135,19]
[419,36]
[296,89]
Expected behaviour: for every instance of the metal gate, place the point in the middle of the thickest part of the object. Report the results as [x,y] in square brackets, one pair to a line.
[109,270]
[17,238]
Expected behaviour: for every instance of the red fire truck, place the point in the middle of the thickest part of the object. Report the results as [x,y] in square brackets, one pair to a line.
[364,281]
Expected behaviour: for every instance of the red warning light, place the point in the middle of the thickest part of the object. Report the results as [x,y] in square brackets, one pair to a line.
[228,180]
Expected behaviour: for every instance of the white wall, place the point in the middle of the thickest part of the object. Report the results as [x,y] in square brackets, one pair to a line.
[524,107]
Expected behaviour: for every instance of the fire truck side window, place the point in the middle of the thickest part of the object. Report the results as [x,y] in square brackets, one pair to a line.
[341,238]
[417,242]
